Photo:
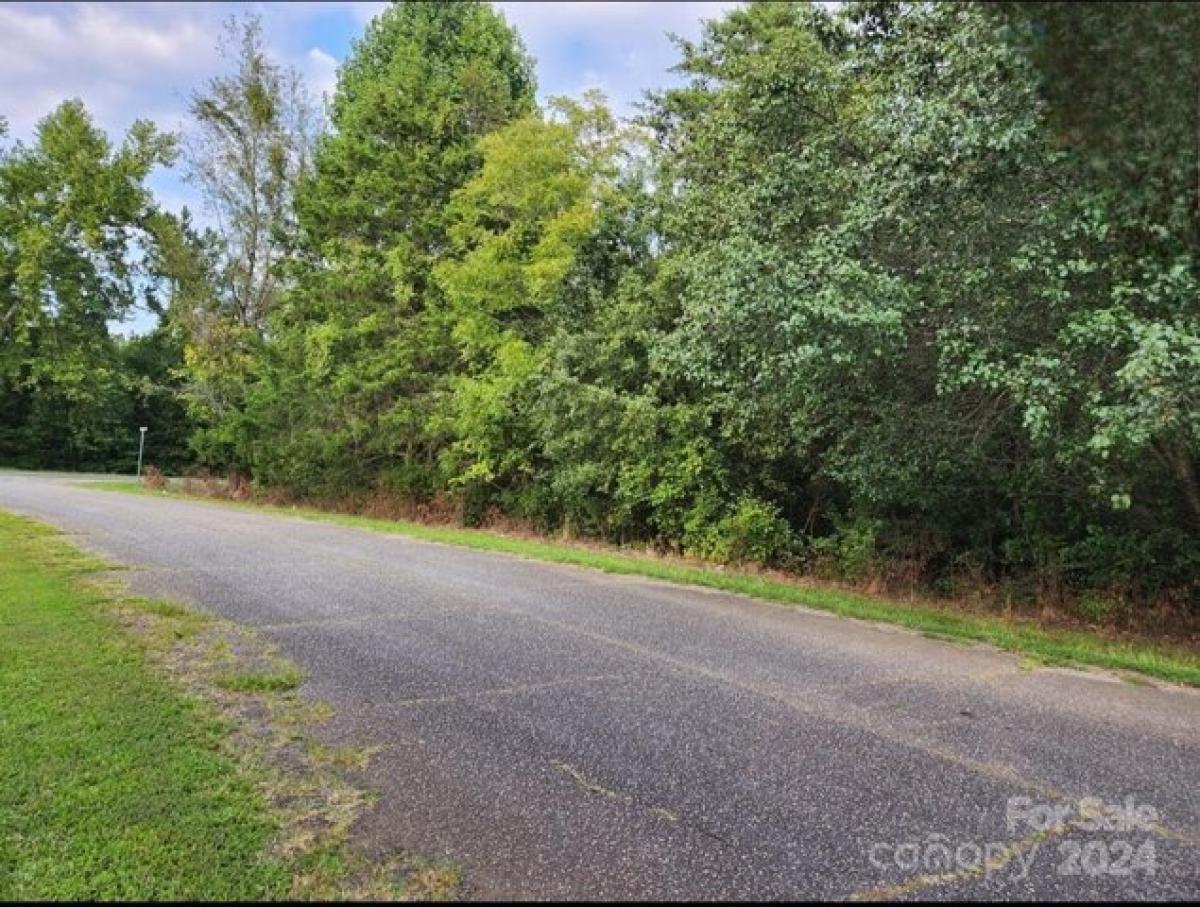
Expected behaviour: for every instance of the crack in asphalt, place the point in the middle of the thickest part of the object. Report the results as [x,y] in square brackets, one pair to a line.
[845,716]
[662,812]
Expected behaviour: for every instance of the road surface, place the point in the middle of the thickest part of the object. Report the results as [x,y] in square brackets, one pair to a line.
[563,733]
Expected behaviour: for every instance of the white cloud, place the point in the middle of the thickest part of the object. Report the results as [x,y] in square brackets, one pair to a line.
[361,11]
[123,61]
[141,60]
[131,60]
[538,21]
[320,72]
[623,47]
[127,61]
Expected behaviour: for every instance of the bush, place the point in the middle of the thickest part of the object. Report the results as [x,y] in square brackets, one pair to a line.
[851,552]
[753,533]
[1096,607]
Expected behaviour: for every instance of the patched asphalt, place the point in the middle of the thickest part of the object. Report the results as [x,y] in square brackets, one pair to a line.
[562,733]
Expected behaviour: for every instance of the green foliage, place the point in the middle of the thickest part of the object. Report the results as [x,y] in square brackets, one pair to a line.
[151,365]
[76,226]
[517,230]
[250,147]
[914,295]
[752,533]
[260,683]
[349,393]
[1096,607]
[851,550]
[910,287]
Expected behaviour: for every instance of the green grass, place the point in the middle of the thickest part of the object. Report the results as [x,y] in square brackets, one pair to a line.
[112,784]
[1046,645]
[275,682]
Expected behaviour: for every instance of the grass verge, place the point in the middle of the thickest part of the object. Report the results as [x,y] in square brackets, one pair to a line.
[112,785]
[129,771]
[1051,646]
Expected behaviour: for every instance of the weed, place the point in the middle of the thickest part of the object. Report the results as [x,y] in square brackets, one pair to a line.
[275,682]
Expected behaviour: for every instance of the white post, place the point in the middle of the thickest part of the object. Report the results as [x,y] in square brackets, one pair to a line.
[141,447]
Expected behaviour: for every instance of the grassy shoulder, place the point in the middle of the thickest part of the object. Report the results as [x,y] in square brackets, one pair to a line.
[112,784]
[1025,637]
[148,752]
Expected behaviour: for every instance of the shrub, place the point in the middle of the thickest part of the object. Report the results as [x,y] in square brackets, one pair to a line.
[753,533]
[851,552]
[1096,607]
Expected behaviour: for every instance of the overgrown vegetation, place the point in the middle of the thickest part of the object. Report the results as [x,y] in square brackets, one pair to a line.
[896,293]
[131,771]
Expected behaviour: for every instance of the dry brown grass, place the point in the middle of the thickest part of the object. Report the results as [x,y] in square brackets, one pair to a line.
[152,477]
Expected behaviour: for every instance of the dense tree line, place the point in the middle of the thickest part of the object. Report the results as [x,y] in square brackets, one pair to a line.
[897,288]
[77,241]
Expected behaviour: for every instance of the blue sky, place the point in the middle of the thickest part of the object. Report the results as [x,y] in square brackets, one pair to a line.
[131,60]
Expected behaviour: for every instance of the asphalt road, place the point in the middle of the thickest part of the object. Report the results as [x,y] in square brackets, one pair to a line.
[562,733]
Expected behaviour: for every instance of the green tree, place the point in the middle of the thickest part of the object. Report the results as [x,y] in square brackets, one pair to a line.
[1120,89]
[517,229]
[152,366]
[785,336]
[75,221]
[359,352]
[250,146]
[916,297]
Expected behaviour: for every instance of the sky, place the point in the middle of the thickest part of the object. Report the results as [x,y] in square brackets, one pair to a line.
[130,61]
[141,60]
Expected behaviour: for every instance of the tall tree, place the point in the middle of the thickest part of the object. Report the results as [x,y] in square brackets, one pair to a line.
[518,228]
[76,221]
[359,350]
[249,148]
